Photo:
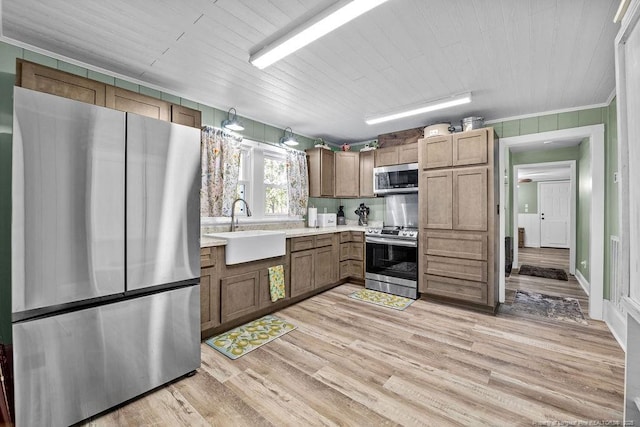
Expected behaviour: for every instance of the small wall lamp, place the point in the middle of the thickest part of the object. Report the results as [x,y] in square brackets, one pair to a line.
[289,140]
[232,123]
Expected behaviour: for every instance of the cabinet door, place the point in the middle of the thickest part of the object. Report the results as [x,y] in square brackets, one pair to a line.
[465,269]
[470,148]
[367,162]
[56,82]
[386,156]
[436,152]
[356,251]
[408,153]
[456,244]
[265,289]
[209,298]
[347,164]
[186,116]
[327,173]
[325,265]
[435,191]
[345,251]
[132,102]
[470,199]
[239,295]
[302,272]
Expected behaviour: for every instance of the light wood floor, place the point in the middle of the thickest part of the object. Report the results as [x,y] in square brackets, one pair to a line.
[354,363]
[551,258]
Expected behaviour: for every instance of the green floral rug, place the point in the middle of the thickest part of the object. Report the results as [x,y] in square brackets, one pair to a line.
[383,299]
[246,338]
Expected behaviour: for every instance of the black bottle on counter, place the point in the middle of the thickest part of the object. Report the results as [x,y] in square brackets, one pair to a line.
[340,215]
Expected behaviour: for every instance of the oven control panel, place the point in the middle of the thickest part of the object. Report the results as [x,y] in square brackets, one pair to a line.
[397,233]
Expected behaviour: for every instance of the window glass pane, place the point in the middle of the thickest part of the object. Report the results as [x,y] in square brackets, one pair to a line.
[276,198]
[275,171]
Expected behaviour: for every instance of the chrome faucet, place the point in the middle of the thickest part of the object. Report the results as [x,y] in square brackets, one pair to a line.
[233,212]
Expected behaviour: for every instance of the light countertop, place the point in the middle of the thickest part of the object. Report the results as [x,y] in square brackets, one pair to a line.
[206,242]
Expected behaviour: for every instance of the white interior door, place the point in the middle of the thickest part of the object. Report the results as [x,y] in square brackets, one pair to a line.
[555,211]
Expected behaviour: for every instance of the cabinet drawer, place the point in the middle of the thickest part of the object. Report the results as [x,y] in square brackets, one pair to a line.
[456,245]
[465,269]
[345,236]
[357,236]
[345,269]
[345,251]
[466,290]
[207,257]
[356,251]
[302,243]
[324,240]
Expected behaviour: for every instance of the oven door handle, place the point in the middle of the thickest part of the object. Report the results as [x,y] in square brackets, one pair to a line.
[393,242]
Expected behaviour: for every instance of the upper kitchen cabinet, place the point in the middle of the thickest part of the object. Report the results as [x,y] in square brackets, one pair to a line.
[367,162]
[133,102]
[396,155]
[321,172]
[49,80]
[347,174]
[459,149]
[186,116]
[471,148]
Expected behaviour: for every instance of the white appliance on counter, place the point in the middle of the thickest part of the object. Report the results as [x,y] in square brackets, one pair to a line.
[327,220]
[105,256]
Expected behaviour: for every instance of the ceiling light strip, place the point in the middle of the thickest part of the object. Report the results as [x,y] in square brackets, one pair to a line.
[324,23]
[431,106]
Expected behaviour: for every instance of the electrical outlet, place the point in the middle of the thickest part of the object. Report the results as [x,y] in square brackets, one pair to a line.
[616,177]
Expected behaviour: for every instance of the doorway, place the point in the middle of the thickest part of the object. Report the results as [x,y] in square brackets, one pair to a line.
[595,134]
[531,178]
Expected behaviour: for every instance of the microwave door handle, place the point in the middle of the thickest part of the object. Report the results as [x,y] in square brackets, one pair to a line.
[393,242]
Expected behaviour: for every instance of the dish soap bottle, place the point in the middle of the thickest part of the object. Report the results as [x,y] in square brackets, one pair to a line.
[340,215]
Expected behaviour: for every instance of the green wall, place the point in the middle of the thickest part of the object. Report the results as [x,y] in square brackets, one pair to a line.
[593,116]
[583,229]
[8,54]
[528,195]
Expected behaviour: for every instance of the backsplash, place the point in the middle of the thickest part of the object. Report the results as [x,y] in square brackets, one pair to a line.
[375,204]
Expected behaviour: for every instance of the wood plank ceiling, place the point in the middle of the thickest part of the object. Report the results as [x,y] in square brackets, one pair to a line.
[516,57]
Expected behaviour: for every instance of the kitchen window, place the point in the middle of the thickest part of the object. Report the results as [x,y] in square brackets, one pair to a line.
[262,182]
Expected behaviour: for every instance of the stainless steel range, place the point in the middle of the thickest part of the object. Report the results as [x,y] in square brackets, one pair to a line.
[392,251]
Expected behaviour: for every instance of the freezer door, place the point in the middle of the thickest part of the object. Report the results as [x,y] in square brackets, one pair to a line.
[67,225]
[163,202]
[75,365]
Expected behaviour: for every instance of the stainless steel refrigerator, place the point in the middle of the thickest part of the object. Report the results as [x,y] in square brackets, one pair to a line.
[105,256]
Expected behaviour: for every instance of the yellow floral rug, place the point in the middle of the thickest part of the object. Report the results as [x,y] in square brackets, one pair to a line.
[243,339]
[383,299]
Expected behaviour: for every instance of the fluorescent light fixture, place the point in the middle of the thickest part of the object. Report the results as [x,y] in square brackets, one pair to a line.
[232,123]
[440,104]
[327,21]
[622,9]
[288,140]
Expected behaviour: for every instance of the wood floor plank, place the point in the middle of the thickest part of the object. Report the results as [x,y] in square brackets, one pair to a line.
[353,363]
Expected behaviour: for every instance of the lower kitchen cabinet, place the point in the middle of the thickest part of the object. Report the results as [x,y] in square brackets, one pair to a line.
[265,288]
[240,295]
[302,272]
[324,272]
[209,288]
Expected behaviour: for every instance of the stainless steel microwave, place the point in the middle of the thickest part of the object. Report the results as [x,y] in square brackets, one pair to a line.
[396,179]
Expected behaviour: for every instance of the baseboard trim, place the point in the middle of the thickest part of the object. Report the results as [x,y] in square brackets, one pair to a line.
[616,323]
[583,282]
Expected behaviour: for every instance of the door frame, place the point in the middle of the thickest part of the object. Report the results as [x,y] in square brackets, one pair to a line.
[596,245]
[571,164]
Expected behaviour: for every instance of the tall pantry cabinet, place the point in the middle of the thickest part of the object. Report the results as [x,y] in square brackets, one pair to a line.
[458,252]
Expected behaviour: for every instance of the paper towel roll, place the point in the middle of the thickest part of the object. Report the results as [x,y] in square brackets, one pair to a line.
[312,217]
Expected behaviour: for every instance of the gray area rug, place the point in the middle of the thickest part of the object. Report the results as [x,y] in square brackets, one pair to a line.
[548,273]
[550,307]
